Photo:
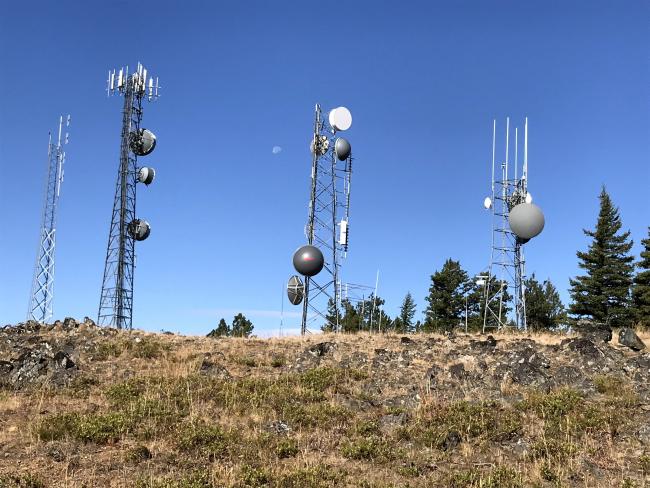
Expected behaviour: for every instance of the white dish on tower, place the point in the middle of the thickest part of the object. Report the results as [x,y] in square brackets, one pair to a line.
[340,118]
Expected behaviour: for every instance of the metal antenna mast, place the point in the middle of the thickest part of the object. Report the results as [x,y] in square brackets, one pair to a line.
[331,171]
[116,302]
[507,265]
[40,305]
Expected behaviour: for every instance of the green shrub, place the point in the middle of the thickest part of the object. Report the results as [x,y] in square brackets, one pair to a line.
[286,448]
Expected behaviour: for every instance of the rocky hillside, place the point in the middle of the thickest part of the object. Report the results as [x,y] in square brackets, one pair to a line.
[88,406]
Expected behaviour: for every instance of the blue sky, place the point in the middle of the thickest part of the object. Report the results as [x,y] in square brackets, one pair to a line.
[423,80]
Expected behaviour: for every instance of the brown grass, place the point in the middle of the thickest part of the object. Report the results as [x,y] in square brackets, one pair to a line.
[146,417]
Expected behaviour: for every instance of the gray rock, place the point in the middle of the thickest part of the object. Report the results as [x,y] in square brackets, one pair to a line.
[214,370]
[594,331]
[627,337]
[321,349]
[452,440]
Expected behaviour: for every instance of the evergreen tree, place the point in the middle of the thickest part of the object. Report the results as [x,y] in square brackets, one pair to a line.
[350,320]
[446,297]
[404,322]
[603,293]
[641,288]
[330,317]
[222,330]
[544,308]
[241,326]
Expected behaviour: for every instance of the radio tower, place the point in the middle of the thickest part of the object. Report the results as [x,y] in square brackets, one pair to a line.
[331,170]
[116,302]
[506,273]
[40,305]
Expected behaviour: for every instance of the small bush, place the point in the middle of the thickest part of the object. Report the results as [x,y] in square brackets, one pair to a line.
[196,479]
[319,476]
[26,480]
[97,428]
[286,448]
[278,361]
[210,439]
[369,448]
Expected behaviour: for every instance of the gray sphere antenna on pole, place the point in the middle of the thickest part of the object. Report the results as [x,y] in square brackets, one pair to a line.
[328,217]
[42,294]
[515,221]
[116,301]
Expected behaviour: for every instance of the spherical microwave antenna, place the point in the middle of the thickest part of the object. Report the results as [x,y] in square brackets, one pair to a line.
[146,175]
[139,229]
[529,198]
[342,149]
[526,221]
[308,260]
[295,290]
[142,142]
[340,118]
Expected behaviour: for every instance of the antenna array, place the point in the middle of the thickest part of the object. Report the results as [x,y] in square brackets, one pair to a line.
[40,304]
[116,302]
[507,265]
[331,172]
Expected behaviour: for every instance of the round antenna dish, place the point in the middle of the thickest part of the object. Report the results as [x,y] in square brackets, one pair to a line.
[342,149]
[526,221]
[529,198]
[139,229]
[142,142]
[146,175]
[295,290]
[340,118]
[487,203]
[308,260]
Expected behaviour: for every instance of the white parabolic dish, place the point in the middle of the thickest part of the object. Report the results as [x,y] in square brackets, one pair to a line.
[340,118]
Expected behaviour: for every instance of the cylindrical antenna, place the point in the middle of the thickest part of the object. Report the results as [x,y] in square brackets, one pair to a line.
[494,135]
[516,150]
[507,143]
[525,171]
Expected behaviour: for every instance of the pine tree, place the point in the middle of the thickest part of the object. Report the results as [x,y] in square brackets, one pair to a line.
[446,297]
[641,288]
[222,330]
[404,322]
[544,308]
[330,317]
[603,293]
[241,326]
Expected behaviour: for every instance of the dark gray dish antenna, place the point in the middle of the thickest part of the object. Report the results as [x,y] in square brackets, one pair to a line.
[139,229]
[342,149]
[308,260]
[295,290]
[146,175]
[142,142]
[526,221]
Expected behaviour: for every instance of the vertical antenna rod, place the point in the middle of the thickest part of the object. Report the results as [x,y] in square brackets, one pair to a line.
[40,304]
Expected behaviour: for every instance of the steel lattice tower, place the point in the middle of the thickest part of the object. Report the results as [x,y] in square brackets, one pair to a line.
[507,263]
[40,304]
[116,302]
[329,199]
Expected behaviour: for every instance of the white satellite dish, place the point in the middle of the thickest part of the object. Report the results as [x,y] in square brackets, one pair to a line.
[340,118]
[487,203]
[529,198]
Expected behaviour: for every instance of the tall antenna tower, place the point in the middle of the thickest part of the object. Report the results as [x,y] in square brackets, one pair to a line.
[116,302]
[331,171]
[506,272]
[40,304]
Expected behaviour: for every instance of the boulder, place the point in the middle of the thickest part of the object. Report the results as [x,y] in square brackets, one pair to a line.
[594,331]
[627,337]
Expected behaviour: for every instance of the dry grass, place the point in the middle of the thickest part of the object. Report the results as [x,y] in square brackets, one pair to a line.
[141,414]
